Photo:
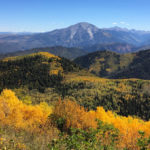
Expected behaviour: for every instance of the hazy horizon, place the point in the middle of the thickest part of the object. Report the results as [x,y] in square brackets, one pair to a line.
[30,32]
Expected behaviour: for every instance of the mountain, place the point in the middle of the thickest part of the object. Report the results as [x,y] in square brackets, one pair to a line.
[145,47]
[104,63]
[116,28]
[69,53]
[113,65]
[116,47]
[36,71]
[18,33]
[79,35]
[138,68]
[3,33]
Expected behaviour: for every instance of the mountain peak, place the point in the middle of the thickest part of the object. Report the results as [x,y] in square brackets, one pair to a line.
[116,28]
[82,28]
[84,25]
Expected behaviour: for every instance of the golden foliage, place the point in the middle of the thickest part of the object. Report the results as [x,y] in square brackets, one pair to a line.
[45,54]
[10,58]
[55,68]
[128,126]
[77,117]
[94,79]
[75,78]
[15,113]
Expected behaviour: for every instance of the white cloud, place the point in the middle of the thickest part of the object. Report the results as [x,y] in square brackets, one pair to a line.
[124,23]
[114,23]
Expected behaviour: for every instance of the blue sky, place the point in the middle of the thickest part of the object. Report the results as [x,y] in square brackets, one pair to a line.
[46,15]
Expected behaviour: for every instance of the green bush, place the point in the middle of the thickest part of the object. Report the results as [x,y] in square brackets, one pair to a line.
[143,142]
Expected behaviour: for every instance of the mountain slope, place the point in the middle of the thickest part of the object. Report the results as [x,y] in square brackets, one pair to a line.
[138,68]
[79,35]
[44,77]
[37,70]
[116,47]
[114,65]
[69,53]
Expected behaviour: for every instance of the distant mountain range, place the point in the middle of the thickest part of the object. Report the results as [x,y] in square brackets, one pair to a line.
[70,53]
[81,35]
[113,65]
[116,47]
[14,33]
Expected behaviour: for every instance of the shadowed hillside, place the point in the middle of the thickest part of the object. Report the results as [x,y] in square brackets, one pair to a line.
[113,65]
[69,53]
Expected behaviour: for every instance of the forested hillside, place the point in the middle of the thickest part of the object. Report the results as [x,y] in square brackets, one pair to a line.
[113,65]
[36,71]
[50,75]
[48,102]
